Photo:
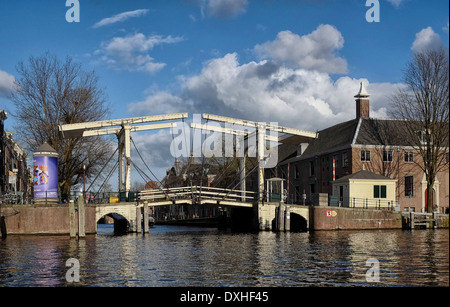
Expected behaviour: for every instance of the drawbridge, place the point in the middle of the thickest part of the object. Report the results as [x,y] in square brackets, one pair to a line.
[265,139]
[197,195]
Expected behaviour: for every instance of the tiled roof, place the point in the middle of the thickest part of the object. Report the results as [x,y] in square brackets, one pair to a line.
[330,139]
[382,132]
[363,175]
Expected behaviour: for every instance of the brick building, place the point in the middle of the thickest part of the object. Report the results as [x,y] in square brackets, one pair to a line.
[363,143]
[14,173]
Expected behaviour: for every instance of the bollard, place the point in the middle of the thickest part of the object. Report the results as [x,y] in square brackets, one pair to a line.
[81,217]
[72,220]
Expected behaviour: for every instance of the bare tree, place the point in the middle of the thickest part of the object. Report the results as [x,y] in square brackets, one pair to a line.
[424,106]
[50,93]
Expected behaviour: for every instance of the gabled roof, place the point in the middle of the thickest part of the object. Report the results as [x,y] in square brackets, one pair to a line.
[366,175]
[330,139]
[362,131]
[382,132]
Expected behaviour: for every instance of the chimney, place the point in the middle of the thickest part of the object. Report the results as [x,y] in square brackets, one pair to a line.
[362,102]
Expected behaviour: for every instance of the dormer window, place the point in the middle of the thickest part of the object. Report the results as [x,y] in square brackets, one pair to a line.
[423,135]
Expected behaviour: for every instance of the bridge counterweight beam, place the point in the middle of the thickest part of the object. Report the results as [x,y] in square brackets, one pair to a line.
[121,154]
[125,159]
[241,149]
[127,133]
[261,133]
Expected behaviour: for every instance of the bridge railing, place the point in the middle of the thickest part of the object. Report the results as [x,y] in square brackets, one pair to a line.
[196,193]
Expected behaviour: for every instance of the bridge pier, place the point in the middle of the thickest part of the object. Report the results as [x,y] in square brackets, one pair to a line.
[138,226]
[277,216]
[145,217]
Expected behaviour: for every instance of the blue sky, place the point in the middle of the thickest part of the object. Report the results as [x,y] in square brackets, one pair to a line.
[295,62]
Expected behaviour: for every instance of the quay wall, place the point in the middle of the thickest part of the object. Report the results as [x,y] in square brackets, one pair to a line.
[334,218]
[43,219]
[443,221]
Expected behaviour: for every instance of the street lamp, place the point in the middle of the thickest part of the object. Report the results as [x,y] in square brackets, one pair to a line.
[84,182]
[398,175]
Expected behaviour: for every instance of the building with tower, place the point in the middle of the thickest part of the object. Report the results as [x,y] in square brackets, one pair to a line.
[363,143]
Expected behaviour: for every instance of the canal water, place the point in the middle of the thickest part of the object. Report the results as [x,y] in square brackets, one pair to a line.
[176,256]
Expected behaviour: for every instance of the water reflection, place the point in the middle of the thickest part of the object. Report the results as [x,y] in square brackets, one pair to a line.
[180,256]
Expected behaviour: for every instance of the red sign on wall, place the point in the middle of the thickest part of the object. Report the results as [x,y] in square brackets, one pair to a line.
[331,213]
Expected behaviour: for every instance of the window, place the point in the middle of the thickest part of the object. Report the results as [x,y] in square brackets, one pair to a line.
[296,172]
[345,159]
[379,191]
[409,156]
[424,136]
[311,168]
[409,186]
[387,156]
[365,155]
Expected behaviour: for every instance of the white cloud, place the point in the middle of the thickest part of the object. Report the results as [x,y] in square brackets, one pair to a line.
[314,51]
[445,28]
[154,147]
[396,3]
[426,39]
[131,52]
[6,83]
[225,8]
[120,17]
[266,91]
[158,103]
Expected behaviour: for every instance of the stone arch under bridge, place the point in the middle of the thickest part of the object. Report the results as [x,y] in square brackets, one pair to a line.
[267,215]
[127,210]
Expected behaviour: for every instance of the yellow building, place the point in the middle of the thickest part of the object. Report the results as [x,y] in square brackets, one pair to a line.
[365,189]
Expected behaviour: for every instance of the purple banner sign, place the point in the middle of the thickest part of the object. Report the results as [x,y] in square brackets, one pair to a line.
[45,177]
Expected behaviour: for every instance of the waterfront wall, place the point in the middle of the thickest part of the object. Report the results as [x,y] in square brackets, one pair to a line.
[54,219]
[43,220]
[327,218]
[333,218]
[443,221]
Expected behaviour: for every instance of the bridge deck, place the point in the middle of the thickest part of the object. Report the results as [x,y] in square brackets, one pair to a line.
[197,195]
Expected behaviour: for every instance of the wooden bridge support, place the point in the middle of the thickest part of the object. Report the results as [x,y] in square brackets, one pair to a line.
[418,219]
[276,216]
[77,218]
[142,219]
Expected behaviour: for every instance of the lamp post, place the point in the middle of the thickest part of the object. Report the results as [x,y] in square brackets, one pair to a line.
[398,175]
[84,182]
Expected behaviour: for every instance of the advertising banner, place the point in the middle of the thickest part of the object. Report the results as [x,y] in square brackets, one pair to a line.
[45,177]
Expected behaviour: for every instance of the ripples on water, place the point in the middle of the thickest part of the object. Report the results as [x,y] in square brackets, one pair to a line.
[181,256]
